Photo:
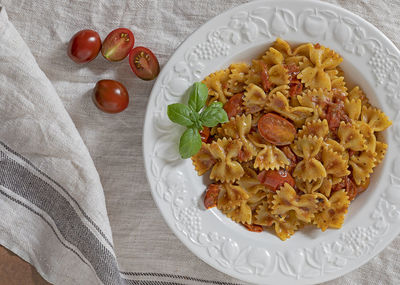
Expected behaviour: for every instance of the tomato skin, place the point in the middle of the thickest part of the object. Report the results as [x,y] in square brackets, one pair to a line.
[234,105]
[266,84]
[276,130]
[110,96]
[253,228]
[274,179]
[144,63]
[211,197]
[84,46]
[205,134]
[118,44]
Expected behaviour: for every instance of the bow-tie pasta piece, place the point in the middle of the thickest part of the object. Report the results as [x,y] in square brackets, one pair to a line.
[254,76]
[337,82]
[332,215]
[283,47]
[323,59]
[278,75]
[286,200]
[284,227]
[350,137]
[269,157]
[309,187]
[230,196]
[238,128]
[240,214]
[254,99]
[272,57]
[284,89]
[380,152]
[352,108]
[226,169]
[326,187]
[368,135]
[217,84]
[238,77]
[337,147]
[203,160]
[357,93]
[317,99]
[334,163]
[375,118]
[315,128]
[362,166]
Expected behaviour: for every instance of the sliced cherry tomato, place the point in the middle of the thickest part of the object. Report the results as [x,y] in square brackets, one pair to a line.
[211,197]
[317,46]
[295,87]
[204,134]
[234,105]
[351,188]
[274,179]
[335,114]
[253,228]
[291,156]
[110,96]
[293,70]
[361,188]
[144,63]
[266,84]
[84,46]
[276,130]
[118,44]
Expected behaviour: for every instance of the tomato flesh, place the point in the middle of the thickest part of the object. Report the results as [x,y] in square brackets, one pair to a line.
[205,134]
[144,63]
[84,46]
[234,105]
[274,179]
[276,130]
[265,82]
[211,197]
[118,44]
[253,228]
[110,96]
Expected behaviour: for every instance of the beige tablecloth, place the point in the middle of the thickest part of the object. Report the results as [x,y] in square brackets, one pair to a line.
[68,236]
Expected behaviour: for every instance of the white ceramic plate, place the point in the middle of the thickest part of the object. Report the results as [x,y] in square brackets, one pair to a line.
[310,256]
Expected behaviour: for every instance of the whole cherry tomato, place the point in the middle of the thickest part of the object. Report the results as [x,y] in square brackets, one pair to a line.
[110,96]
[144,63]
[234,105]
[84,46]
[118,44]
[276,130]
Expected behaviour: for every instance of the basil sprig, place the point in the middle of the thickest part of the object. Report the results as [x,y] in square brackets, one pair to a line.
[194,116]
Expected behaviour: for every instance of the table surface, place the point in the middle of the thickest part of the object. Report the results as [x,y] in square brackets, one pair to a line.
[15,271]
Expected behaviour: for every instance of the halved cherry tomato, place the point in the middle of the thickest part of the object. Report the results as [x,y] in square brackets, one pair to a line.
[335,114]
[144,63]
[293,70]
[361,188]
[110,96]
[266,84]
[118,44]
[211,197]
[234,105]
[295,87]
[253,228]
[204,134]
[274,179]
[276,130]
[84,46]
[351,188]
[291,156]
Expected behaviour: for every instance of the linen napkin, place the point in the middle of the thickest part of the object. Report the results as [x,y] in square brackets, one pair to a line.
[53,209]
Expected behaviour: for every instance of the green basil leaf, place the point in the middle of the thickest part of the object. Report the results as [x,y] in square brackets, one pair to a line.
[181,114]
[190,143]
[216,104]
[198,96]
[213,115]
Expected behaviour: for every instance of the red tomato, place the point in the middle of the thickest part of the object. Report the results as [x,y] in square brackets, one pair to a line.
[351,188]
[234,105]
[253,228]
[295,87]
[361,188]
[276,130]
[110,96]
[84,46]
[118,44]
[274,179]
[211,197]
[144,63]
[266,84]
[204,134]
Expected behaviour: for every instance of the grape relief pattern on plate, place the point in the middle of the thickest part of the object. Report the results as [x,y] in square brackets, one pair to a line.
[246,27]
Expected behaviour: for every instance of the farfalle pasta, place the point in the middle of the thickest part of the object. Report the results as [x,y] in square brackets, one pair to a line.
[299,145]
